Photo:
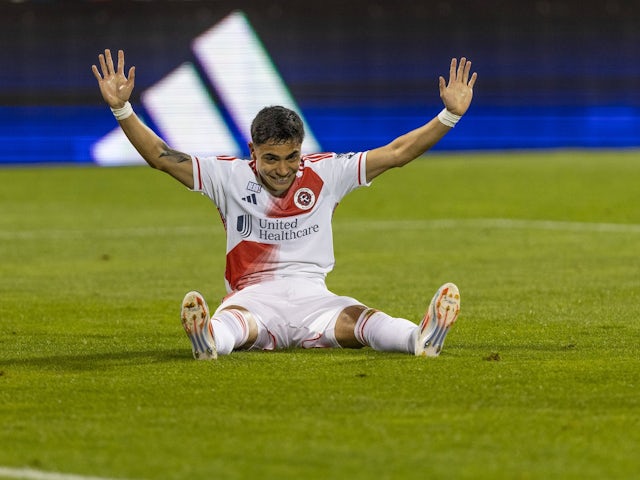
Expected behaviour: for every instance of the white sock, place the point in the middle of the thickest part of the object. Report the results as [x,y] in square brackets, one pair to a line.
[382,332]
[230,329]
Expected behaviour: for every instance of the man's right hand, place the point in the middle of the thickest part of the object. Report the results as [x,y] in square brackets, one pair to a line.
[115,87]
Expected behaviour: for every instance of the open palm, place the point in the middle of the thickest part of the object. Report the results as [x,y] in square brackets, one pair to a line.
[458,92]
[115,87]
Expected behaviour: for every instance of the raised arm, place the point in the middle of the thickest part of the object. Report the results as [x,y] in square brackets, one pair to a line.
[456,94]
[116,89]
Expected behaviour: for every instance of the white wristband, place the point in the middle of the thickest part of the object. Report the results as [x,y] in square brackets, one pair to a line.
[124,112]
[447,118]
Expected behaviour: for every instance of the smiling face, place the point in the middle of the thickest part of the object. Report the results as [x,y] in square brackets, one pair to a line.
[277,164]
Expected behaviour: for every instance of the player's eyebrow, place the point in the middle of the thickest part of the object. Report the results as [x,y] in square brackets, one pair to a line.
[273,156]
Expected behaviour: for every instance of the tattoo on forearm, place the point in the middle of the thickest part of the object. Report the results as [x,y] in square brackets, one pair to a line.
[175,155]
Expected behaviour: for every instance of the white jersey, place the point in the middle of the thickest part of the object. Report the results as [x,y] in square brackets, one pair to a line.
[272,237]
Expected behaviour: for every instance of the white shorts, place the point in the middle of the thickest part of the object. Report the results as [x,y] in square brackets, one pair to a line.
[292,312]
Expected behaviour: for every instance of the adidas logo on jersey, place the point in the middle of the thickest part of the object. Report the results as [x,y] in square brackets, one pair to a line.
[250,199]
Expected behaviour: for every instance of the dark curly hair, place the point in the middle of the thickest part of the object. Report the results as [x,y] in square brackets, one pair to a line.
[276,124]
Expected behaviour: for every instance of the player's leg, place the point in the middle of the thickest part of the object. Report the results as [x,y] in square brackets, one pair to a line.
[230,328]
[345,326]
[235,329]
[358,325]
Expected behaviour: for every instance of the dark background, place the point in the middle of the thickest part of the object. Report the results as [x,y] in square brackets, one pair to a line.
[551,73]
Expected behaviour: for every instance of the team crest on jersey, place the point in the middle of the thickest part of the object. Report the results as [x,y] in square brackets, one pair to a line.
[304,198]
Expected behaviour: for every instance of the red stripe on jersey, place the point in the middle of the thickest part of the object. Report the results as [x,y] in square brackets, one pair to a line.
[226,157]
[360,168]
[199,173]
[316,157]
[224,220]
[311,341]
[302,196]
[249,263]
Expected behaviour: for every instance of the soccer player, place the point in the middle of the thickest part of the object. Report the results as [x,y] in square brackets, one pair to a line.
[277,210]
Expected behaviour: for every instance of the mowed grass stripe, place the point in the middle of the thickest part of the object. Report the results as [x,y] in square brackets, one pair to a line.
[444,223]
[32,474]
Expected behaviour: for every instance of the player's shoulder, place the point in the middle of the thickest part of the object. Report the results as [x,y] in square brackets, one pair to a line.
[225,162]
[214,159]
[224,168]
[317,157]
[320,157]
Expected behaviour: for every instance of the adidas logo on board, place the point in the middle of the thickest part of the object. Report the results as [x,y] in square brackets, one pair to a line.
[237,66]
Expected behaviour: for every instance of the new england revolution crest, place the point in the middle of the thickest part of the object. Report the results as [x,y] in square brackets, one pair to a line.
[304,198]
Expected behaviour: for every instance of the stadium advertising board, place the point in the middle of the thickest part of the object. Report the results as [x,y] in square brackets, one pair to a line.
[552,74]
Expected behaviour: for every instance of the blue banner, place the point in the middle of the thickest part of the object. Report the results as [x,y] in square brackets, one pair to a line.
[551,74]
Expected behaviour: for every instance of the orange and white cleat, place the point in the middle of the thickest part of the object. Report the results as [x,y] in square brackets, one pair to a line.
[197,326]
[439,317]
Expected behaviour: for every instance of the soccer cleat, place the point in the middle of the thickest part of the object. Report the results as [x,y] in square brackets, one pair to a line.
[441,314]
[196,324]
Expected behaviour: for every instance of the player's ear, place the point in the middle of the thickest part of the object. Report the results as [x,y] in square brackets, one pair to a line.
[252,151]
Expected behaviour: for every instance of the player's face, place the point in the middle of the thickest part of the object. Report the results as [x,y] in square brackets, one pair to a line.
[277,164]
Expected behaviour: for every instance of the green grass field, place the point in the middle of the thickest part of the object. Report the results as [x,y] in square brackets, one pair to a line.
[539,378]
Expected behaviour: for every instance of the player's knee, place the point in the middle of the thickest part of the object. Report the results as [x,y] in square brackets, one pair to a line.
[346,324]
